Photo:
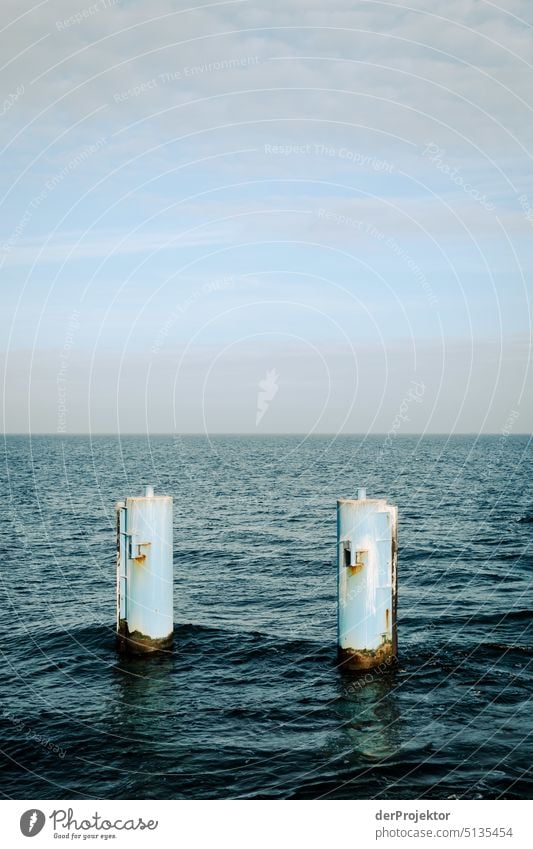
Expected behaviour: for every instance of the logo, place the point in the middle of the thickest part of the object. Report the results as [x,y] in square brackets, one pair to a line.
[268,388]
[32,822]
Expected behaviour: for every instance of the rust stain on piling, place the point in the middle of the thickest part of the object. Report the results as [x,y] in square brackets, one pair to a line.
[394,568]
[360,561]
[366,658]
[133,642]
[141,557]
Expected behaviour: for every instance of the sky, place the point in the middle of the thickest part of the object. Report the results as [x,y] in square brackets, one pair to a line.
[300,216]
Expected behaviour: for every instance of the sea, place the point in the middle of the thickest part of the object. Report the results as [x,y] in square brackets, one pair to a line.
[251,703]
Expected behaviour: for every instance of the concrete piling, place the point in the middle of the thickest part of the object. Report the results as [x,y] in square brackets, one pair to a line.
[145,619]
[367,581]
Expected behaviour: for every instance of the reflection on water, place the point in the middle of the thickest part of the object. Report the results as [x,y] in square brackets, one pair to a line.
[251,704]
[143,694]
[369,714]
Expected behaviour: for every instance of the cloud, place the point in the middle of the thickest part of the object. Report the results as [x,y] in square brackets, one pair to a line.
[279,140]
[75,246]
[454,70]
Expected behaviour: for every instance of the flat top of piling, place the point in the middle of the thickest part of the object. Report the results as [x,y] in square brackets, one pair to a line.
[360,500]
[148,497]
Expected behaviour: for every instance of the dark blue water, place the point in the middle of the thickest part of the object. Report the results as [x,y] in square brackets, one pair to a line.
[252,704]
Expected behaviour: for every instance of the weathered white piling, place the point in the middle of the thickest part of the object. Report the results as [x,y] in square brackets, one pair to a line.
[145,621]
[367,544]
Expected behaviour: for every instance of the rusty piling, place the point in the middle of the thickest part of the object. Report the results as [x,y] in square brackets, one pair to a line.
[144,573]
[367,581]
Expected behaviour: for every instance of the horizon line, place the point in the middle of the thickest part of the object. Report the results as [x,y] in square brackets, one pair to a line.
[256,434]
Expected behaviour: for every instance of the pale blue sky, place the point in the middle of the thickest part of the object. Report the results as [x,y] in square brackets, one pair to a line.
[196,194]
